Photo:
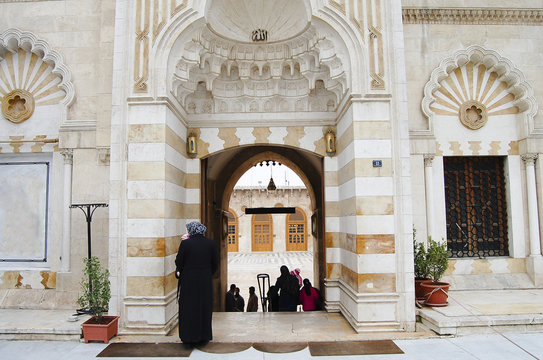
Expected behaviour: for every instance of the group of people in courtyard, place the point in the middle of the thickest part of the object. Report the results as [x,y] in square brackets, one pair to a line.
[288,292]
[234,302]
[197,260]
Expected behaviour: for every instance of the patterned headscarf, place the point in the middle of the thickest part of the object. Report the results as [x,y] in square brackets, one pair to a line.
[196,228]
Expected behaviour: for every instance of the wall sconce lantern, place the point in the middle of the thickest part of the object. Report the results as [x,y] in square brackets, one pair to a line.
[330,138]
[192,148]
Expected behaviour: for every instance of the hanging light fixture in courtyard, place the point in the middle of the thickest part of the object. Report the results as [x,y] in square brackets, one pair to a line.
[271,184]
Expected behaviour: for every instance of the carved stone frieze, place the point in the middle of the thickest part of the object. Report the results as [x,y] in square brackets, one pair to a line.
[472,16]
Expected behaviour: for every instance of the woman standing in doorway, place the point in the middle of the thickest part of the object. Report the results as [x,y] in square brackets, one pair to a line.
[196,262]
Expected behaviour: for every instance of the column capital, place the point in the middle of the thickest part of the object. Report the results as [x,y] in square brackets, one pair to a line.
[529,159]
[68,155]
[428,160]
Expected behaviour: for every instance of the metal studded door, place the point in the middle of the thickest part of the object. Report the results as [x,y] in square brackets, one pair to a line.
[476,206]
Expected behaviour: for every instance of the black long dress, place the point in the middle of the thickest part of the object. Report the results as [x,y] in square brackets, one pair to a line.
[287,285]
[197,260]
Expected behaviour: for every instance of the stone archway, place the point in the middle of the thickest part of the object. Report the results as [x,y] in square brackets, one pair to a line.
[220,173]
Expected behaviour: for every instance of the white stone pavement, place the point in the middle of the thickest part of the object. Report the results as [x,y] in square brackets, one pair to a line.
[491,347]
[243,268]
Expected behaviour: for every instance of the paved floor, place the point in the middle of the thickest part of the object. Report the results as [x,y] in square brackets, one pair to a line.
[475,308]
[243,268]
[492,347]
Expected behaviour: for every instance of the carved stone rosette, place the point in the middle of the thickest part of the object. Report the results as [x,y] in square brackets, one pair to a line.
[17,105]
[473,114]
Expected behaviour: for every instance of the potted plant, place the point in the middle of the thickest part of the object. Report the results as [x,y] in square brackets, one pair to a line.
[95,299]
[421,266]
[437,258]
[421,269]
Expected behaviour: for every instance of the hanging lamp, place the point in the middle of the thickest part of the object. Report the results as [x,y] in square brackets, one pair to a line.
[271,184]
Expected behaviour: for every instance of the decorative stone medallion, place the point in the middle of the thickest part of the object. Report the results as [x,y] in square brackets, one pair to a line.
[17,105]
[473,114]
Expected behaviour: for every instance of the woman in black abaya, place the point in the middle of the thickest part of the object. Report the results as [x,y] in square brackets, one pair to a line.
[287,285]
[196,262]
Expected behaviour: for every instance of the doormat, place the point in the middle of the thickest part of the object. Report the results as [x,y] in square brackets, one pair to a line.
[224,348]
[145,350]
[279,348]
[369,347]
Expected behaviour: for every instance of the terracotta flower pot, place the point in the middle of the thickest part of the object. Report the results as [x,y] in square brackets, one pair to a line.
[419,291]
[436,294]
[100,331]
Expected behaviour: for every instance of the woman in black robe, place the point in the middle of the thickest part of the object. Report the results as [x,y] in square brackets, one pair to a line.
[288,288]
[196,262]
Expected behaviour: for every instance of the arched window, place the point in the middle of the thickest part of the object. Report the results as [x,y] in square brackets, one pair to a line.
[233,241]
[262,232]
[296,231]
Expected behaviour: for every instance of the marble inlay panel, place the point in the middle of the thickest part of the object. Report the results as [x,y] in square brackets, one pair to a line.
[146,247]
[332,239]
[376,283]
[28,279]
[332,208]
[146,286]
[23,210]
[146,133]
[375,205]
[375,244]
[146,170]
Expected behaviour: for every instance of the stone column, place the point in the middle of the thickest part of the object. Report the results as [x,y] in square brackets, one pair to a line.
[66,211]
[535,246]
[429,188]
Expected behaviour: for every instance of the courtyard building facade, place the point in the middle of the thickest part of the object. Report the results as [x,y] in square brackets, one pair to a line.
[396,115]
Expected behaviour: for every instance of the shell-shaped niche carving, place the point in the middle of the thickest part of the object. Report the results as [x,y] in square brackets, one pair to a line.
[473,93]
[27,81]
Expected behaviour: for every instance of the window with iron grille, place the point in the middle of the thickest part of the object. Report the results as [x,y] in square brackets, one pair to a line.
[476,206]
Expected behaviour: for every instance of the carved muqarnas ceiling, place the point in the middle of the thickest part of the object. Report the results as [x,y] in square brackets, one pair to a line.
[217,75]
